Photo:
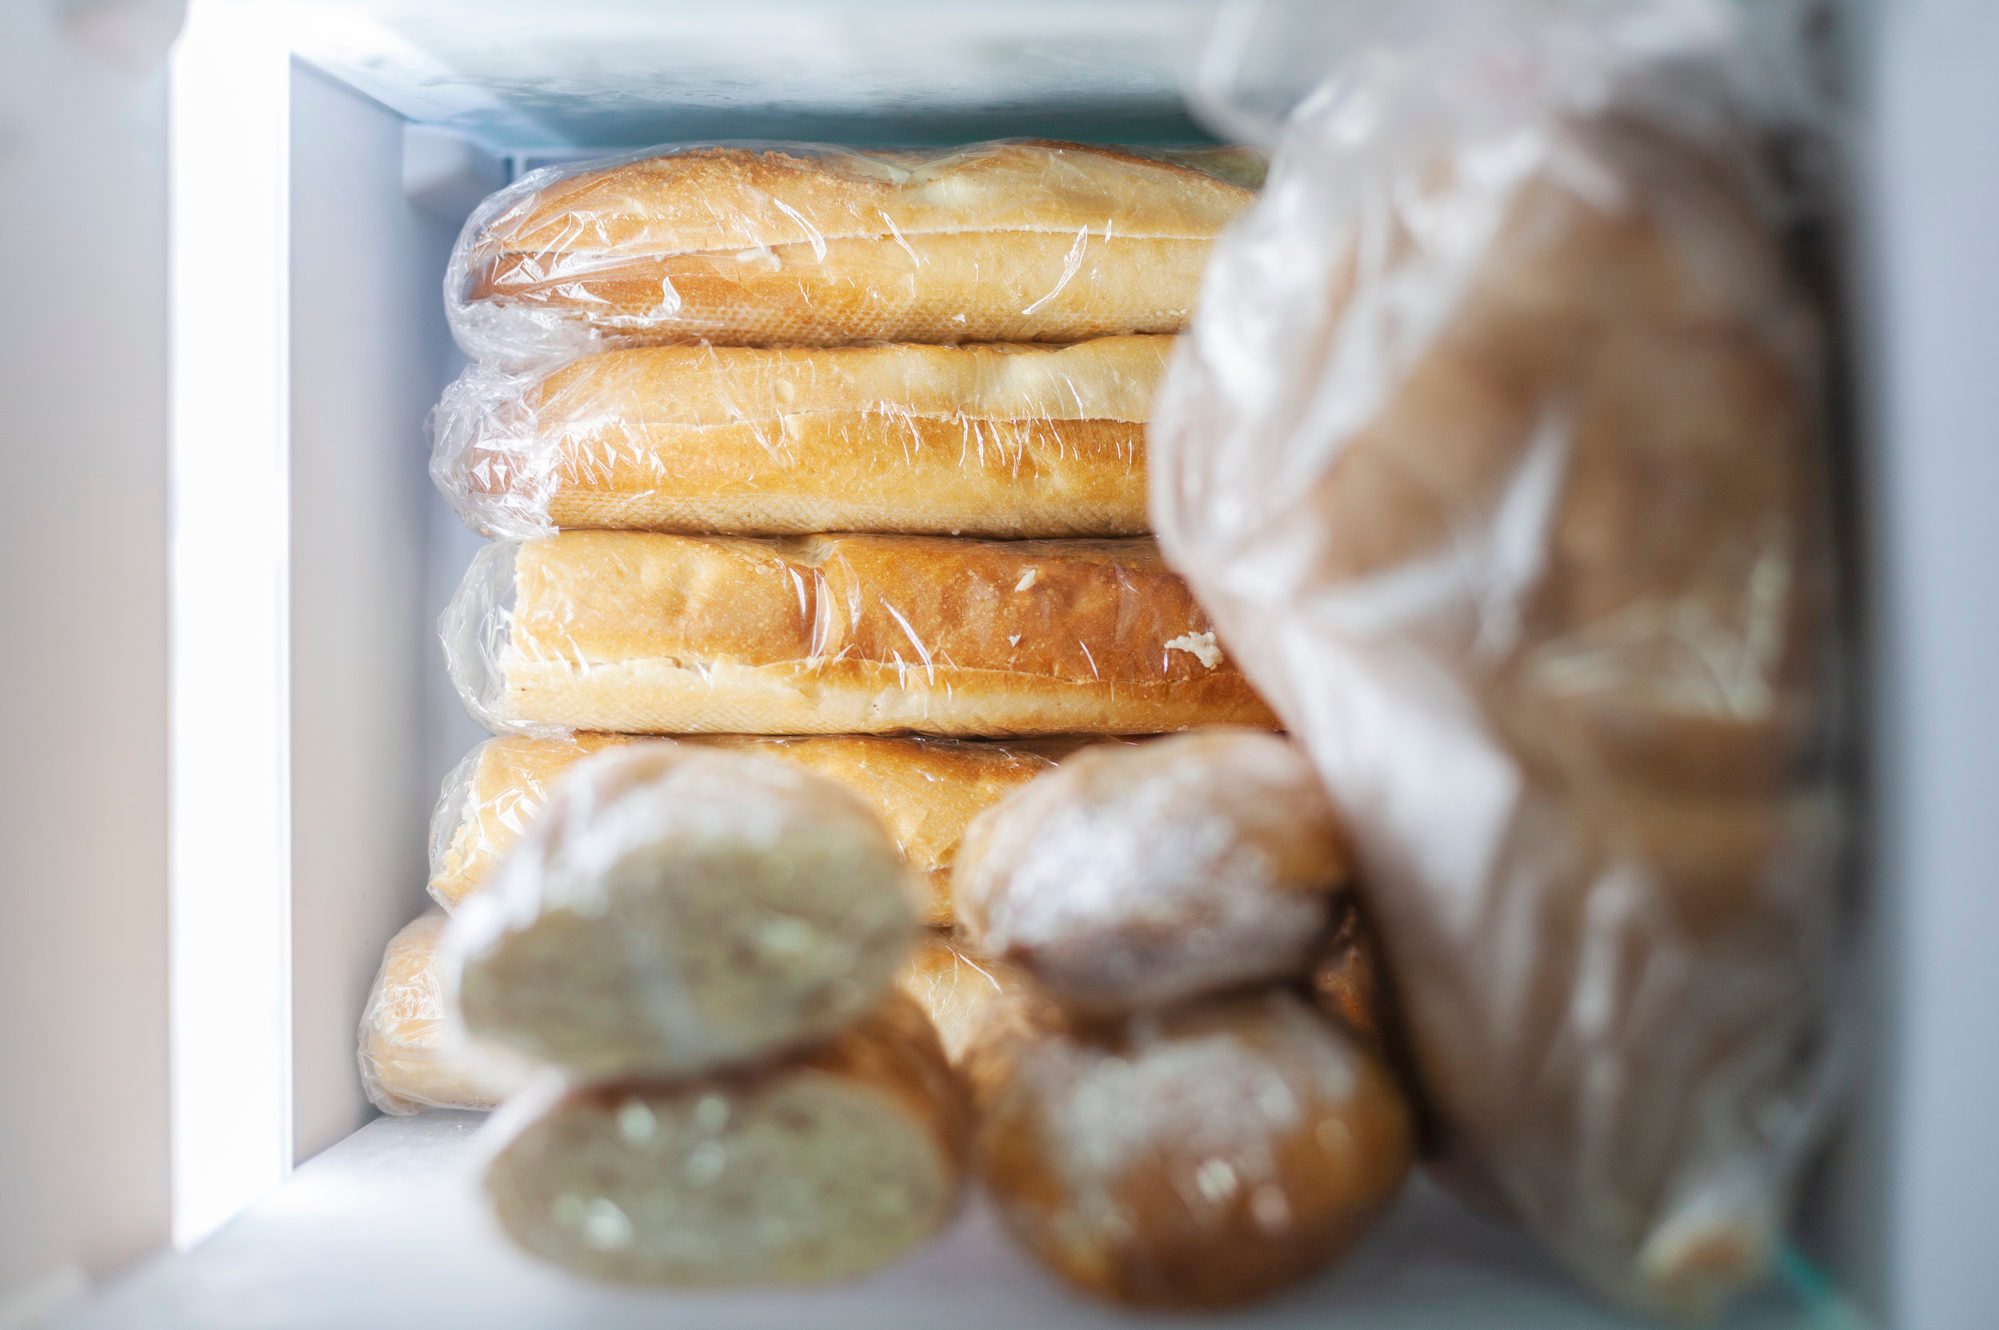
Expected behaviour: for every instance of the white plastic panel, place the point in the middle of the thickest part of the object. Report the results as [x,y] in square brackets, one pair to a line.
[526,73]
[83,594]
[369,354]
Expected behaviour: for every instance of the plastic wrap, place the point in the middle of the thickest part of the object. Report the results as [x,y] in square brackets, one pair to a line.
[967,996]
[1138,876]
[677,909]
[1198,1158]
[1497,452]
[1010,441]
[654,634]
[412,1057]
[797,244]
[924,790]
[825,1167]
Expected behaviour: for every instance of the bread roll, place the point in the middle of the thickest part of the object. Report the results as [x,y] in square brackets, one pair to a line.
[824,1167]
[966,996]
[1347,982]
[997,242]
[924,790]
[1197,1158]
[657,634]
[411,1056]
[1145,874]
[1010,441]
[677,909]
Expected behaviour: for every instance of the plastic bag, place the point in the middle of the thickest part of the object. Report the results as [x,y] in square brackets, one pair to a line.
[1497,451]
[799,244]
[656,634]
[411,1056]
[1013,441]
[925,790]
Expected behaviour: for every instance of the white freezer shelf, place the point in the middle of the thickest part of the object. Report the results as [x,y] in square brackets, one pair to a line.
[384,1231]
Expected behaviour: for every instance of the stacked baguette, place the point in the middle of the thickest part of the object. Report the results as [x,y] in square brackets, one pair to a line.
[825,463]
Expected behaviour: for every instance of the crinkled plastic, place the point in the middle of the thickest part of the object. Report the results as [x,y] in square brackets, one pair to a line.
[925,790]
[412,1056]
[641,633]
[800,244]
[678,909]
[1497,451]
[1009,441]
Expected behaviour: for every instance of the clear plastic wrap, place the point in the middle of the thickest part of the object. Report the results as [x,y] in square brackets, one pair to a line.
[1497,450]
[1200,1157]
[925,791]
[678,909]
[641,633]
[412,1056]
[1009,441]
[1138,876]
[824,1167]
[800,244]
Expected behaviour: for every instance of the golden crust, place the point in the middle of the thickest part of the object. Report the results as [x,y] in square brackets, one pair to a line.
[860,634]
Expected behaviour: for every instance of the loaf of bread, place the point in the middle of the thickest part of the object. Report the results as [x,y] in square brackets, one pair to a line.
[968,997]
[1201,1157]
[924,790]
[1009,441]
[824,1167]
[1143,874]
[995,242]
[1543,579]
[677,909]
[655,634]
[412,1058]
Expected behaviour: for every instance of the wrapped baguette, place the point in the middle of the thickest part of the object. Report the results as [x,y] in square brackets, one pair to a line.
[1200,1157]
[924,790]
[676,909]
[657,634]
[1142,875]
[824,1167]
[411,1057]
[1007,441]
[996,242]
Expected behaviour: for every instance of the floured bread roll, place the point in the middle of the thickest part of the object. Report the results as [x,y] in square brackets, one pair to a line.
[820,1168]
[676,909]
[1144,874]
[1197,1158]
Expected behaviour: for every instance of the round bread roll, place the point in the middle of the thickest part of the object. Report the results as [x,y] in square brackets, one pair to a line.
[676,909]
[1137,876]
[1197,1158]
[819,1168]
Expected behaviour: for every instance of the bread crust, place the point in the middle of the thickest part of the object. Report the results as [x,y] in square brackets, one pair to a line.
[1003,441]
[411,1057]
[1021,241]
[643,633]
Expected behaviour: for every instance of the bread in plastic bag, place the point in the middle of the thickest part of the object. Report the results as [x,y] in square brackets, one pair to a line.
[411,1055]
[642,633]
[823,1167]
[1203,1156]
[1496,450]
[925,791]
[1008,441]
[800,244]
[1142,875]
[677,909]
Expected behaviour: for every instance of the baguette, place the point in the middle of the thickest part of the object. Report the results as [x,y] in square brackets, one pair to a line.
[411,1059]
[656,634]
[677,909]
[1201,1157]
[1008,441]
[996,242]
[924,790]
[821,1168]
[1145,875]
